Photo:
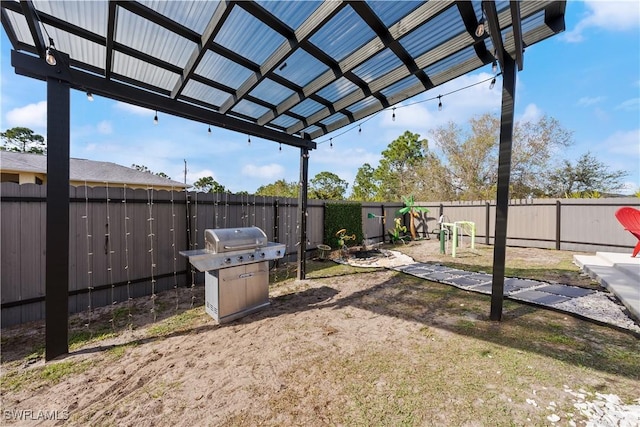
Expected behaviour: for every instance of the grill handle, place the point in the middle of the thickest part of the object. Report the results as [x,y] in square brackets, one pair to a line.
[240,247]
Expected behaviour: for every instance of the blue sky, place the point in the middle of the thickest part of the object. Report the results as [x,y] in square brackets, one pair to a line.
[588,78]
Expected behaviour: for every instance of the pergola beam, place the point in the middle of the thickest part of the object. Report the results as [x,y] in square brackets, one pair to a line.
[215,23]
[34,27]
[504,174]
[34,67]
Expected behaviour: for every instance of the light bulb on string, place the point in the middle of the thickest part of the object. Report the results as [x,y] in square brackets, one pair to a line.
[155,118]
[280,149]
[359,129]
[493,83]
[393,116]
[439,102]
[50,57]
[248,139]
[89,96]
[209,130]
[494,66]
[330,142]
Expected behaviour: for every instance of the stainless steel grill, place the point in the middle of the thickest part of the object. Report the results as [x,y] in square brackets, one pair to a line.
[235,263]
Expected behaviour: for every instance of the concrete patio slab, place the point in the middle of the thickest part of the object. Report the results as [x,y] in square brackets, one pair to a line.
[618,272]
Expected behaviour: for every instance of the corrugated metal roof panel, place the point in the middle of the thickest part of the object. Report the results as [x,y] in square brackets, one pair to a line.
[301,68]
[20,27]
[332,119]
[307,108]
[292,16]
[139,70]
[362,104]
[240,32]
[399,86]
[152,39]
[433,33]
[378,66]
[271,92]
[90,15]
[284,121]
[343,34]
[192,14]
[225,71]
[208,94]
[391,12]
[337,90]
[250,109]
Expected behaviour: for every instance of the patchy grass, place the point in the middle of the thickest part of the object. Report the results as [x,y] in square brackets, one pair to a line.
[178,322]
[38,377]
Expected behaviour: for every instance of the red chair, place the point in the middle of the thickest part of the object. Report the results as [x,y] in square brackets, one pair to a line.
[630,220]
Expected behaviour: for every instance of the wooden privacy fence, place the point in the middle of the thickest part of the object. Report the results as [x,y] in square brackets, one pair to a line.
[124,243]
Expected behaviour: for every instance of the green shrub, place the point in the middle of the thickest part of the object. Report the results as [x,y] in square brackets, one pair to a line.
[342,215]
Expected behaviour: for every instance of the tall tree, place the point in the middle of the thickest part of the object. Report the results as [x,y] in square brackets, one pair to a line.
[396,171]
[471,156]
[327,186]
[207,184]
[22,140]
[280,188]
[587,174]
[365,187]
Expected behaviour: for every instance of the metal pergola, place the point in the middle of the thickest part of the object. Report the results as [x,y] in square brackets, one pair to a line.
[286,71]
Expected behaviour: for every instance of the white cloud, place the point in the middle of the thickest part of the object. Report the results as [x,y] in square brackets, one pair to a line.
[202,173]
[270,171]
[531,114]
[344,156]
[625,143]
[587,101]
[134,109]
[607,15]
[31,116]
[105,127]
[632,104]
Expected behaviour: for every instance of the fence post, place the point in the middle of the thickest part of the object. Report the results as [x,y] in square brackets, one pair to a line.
[488,220]
[383,221]
[558,211]
[276,220]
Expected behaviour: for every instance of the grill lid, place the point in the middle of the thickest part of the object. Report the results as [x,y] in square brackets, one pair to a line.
[220,240]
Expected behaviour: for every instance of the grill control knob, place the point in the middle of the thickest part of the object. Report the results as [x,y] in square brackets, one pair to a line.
[252,256]
[227,260]
[262,255]
[240,258]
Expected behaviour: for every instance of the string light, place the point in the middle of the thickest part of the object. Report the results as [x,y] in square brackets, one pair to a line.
[439,102]
[280,147]
[248,139]
[494,66]
[155,118]
[89,96]
[439,97]
[393,116]
[331,142]
[480,27]
[50,57]
[493,83]
[209,130]
[359,129]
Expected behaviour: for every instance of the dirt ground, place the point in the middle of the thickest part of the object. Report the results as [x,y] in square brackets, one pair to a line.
[344,347]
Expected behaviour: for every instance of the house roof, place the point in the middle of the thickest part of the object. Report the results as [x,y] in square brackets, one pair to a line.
[289,71]
[85,170]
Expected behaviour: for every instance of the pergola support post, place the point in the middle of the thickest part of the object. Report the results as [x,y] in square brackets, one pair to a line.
[57,234]
[302,213]
[504,171]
